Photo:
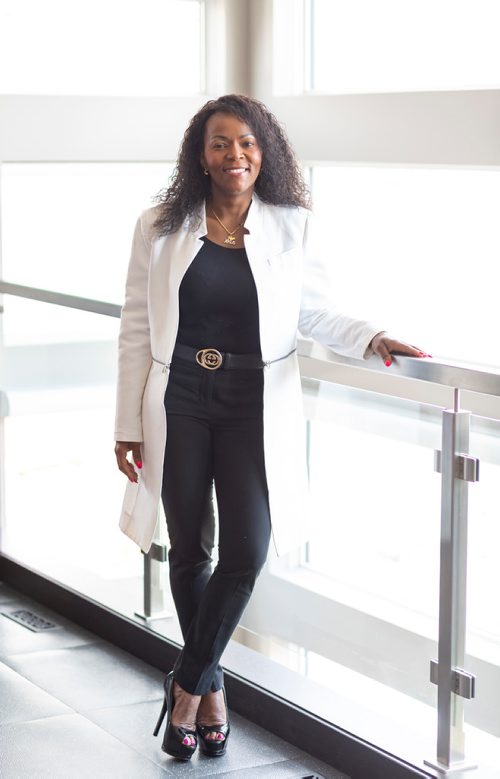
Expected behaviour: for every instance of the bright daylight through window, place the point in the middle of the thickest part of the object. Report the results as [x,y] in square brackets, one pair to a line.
[109,47]
[394,46]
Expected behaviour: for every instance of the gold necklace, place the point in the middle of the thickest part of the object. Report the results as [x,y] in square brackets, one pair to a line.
[231,234]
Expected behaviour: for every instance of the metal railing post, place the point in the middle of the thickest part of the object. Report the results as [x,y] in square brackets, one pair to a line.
[454,683]
[153,590]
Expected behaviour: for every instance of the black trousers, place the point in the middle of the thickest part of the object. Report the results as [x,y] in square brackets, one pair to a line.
[214,438]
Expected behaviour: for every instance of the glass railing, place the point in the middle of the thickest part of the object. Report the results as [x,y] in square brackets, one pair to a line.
[401,553]
[373,608]
[61,484]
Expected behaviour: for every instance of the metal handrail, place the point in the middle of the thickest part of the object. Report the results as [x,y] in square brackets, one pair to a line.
[485,381]
[60,299]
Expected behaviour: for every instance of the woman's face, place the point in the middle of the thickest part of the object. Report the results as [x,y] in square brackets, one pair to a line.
[231,154]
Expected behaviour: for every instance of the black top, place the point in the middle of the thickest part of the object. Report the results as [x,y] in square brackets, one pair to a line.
[218,302]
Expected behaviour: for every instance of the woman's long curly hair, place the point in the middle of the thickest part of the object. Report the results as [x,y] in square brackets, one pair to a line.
[280,181]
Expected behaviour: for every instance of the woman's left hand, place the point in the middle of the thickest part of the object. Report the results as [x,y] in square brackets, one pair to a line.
[385,346]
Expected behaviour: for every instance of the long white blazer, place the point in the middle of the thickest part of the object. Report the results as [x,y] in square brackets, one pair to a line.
[293,294]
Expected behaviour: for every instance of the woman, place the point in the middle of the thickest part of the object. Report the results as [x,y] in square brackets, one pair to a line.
[221,277]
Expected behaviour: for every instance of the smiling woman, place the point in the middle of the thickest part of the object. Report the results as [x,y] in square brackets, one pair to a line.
[232,159]
[220,279]
[279,182]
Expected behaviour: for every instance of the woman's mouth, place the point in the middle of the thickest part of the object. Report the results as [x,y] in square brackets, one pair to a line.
[235,171]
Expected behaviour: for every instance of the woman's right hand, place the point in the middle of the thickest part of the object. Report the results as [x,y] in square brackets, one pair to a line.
[121,450]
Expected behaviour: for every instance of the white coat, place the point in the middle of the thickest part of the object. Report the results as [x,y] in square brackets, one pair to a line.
[292,292]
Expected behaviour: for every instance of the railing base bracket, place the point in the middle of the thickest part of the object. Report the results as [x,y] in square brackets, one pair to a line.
[152,617]
[462,765]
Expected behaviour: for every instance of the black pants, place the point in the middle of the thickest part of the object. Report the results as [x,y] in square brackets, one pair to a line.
[214,437]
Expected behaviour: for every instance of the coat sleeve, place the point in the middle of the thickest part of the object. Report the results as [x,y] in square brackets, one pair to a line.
[134,344]
[319,319]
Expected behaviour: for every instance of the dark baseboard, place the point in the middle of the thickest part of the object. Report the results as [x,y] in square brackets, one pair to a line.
[323,740]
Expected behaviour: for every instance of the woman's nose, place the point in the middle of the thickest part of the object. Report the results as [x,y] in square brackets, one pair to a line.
[235,151]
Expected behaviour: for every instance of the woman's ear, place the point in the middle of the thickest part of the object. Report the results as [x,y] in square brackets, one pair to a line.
[203,166]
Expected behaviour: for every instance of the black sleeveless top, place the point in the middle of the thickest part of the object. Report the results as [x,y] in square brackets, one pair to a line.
[218,305]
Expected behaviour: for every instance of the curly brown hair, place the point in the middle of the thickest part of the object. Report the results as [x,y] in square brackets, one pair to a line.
[280,181]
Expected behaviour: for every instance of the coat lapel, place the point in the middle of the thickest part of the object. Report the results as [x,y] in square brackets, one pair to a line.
[171,257]
[268,237]
[173,254]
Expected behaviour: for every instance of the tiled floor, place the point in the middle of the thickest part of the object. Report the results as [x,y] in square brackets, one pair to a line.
[75,706]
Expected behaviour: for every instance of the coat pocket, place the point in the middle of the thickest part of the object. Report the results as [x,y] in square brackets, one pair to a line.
[286,259]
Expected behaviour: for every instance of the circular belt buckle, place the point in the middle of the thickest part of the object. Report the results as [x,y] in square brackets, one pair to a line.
[210,359]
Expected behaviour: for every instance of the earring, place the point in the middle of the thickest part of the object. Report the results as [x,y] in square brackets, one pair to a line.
[205,171]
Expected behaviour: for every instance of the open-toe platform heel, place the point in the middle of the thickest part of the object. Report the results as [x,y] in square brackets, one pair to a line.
[174,735]
[214,747]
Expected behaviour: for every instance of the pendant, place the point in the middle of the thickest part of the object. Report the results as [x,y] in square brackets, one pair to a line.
[231,240]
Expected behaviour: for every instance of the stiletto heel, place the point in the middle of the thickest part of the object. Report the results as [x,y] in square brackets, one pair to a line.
[174,734]
[210,746]
[161,717]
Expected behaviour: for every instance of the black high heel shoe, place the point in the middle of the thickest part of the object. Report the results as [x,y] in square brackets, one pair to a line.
[210,746]
[174,734]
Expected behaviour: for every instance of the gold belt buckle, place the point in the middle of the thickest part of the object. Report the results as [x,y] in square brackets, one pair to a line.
[210,359]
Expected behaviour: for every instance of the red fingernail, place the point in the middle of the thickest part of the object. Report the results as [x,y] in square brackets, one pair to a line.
[139,463]
[388,363]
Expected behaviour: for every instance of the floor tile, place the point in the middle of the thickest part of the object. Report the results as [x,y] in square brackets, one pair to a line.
[16,638]
[133,724]
[286,769]
[22,700]
[118,699]
[248,748]
[90,676]
[69,746]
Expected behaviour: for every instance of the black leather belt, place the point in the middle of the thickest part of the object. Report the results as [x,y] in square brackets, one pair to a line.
[212,359]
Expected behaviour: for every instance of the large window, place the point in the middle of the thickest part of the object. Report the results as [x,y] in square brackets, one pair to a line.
[414,249]
[389,45]
[77,238]
[361,47]
[101,47]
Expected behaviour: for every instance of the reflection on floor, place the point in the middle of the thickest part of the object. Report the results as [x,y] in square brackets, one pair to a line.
[73,705]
